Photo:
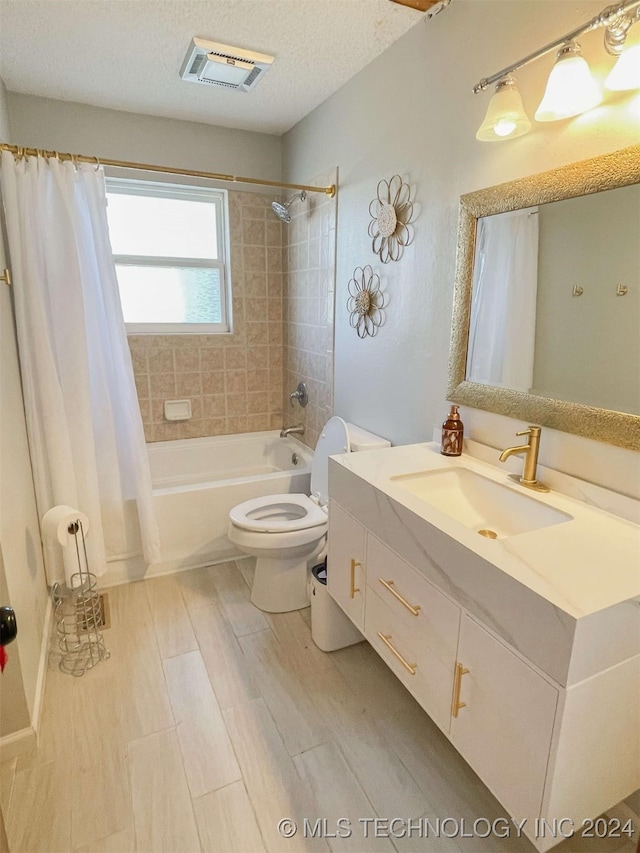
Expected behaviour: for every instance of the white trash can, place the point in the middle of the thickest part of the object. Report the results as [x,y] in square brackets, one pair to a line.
[330,628]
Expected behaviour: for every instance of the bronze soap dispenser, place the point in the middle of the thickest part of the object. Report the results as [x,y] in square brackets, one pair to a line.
[452,434]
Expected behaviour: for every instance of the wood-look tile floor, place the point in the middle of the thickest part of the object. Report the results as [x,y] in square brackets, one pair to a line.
[212,721]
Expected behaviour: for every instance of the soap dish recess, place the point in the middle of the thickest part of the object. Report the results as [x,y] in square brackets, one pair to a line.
[177,410]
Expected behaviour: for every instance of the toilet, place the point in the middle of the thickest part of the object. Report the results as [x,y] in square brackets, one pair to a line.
[286,532]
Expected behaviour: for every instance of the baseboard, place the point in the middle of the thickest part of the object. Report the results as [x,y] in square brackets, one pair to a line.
[42,668]
[118,573]
[22,742]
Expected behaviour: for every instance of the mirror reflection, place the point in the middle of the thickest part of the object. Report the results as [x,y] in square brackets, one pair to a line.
[555,301]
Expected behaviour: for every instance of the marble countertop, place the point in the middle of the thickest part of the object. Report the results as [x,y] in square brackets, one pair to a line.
[581,567]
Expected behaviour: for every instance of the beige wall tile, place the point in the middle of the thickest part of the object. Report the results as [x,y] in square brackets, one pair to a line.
[139,360]
[142,385]
[215,426]
[162,385]
[160,360]
[211,359]
[258,380]
[236,382]
[213,382]
[236,405]
[253,232]
[258,423]
[235,358]
[237,424]
[257,403]
[187,360]
[214,406]
[188,385]
[254,258]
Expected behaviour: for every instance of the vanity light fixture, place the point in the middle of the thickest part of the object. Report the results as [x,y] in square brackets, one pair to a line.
[505,118]
[625,74]
[571,89]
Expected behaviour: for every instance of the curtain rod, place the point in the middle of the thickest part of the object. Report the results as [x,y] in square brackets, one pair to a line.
[20,151]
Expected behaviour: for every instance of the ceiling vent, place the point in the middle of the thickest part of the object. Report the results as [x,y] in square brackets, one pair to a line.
[223,65]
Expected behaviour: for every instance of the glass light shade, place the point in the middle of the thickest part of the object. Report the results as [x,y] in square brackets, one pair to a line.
[571,89]
[625,74]
[505,118]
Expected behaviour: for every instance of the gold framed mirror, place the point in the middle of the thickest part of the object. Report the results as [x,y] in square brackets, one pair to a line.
[524,399]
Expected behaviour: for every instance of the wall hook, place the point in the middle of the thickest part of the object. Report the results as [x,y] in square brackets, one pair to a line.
[6,276]
[577,290]
[622,290]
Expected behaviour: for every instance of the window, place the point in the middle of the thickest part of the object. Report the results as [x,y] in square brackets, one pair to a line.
[169,245]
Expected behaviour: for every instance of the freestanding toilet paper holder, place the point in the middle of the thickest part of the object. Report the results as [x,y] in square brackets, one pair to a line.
[78,613]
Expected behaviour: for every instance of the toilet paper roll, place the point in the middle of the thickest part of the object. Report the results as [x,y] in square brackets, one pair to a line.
[55,529]
[56,522]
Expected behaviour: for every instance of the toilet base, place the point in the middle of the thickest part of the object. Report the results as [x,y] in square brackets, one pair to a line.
[280,586]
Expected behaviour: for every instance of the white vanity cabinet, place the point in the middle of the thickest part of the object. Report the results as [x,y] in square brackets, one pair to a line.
[503,714]
[346,576]
[549,748]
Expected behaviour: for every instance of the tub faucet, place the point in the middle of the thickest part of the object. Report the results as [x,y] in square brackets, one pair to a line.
[296,430]
[530,451]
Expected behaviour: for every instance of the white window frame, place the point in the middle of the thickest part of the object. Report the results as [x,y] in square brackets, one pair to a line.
[218,197]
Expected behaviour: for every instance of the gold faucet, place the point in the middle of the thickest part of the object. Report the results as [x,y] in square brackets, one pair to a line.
[530,451]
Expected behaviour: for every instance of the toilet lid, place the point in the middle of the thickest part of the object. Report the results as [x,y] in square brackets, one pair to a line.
[278,514]
[333,439]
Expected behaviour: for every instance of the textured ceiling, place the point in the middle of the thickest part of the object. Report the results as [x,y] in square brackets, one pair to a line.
[126,54]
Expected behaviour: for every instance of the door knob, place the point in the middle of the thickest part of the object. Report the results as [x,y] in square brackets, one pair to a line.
[8,626]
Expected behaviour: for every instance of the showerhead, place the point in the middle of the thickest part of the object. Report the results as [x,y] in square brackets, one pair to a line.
[282,210]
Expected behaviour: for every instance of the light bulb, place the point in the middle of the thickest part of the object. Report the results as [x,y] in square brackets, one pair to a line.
[571,89]
[505,117]
[625,74]
[504,127]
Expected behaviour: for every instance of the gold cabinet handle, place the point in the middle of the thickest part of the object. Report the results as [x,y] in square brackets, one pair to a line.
[352,583]
[457,686]
[410,607]
[386,639]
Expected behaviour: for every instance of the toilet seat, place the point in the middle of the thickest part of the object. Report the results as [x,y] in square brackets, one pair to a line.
[278,514]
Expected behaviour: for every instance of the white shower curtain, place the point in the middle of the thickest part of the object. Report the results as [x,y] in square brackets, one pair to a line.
[503,306]
[85,431]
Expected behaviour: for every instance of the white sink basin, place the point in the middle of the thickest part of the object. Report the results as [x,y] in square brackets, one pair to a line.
[494,510]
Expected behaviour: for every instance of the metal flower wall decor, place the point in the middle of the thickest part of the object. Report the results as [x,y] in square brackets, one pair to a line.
[391,214]
[365,302]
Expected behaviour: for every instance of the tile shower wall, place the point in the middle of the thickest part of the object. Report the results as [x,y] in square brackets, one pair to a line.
[309,288]
[234,381]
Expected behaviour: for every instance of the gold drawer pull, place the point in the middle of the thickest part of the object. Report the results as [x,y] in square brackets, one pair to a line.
[411,667]
[389,585]
[352,583]
[457,686]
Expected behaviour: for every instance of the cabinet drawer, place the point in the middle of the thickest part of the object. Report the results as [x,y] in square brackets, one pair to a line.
[430,615]
[422,671]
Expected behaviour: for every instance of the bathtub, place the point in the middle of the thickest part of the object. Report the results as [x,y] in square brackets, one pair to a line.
[196,482]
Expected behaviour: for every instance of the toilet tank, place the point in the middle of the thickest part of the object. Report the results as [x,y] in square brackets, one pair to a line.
[362,439]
